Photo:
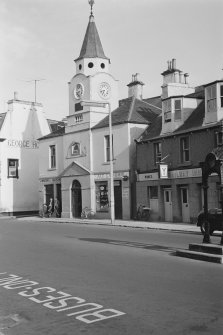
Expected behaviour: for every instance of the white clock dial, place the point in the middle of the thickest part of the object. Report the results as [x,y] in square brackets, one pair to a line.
[78,91]
[104,90]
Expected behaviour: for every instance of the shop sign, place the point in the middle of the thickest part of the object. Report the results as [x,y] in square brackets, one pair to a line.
[24,144]
[190,173]
[148,176]
[115,175]
[48,180]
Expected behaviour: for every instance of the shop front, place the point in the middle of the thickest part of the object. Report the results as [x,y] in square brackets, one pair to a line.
[177,198]
[121,195]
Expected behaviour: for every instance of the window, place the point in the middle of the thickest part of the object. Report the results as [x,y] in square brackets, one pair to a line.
[102,203]
[153,190]
[52,156]
[167,110]
[184,149]
[219,138]
[157,153]
[177,109]
[78,118]
[13,165]
[75,149]
[221,95]
[107,148]
[211,98]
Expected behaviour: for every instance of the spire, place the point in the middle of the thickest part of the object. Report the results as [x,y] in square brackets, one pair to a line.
[91,47]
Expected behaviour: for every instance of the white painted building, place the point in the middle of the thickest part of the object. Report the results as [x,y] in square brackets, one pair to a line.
[20,127]
[75,161]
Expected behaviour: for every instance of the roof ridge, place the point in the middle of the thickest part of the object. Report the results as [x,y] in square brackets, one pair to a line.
[152,105]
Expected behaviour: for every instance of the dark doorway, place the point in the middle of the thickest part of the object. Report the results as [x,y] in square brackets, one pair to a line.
[118,199]
[49,193]
[58,190]
[76,199]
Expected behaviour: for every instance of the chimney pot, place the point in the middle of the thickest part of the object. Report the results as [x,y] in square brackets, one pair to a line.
[16,96]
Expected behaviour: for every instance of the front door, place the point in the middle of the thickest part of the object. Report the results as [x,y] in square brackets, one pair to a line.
[168,205]
[76,199]
[118,199]
[185,205]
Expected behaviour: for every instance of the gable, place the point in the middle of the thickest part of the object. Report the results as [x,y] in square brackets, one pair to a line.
[75,169]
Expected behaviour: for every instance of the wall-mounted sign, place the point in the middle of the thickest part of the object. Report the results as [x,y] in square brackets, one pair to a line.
[163,171]
[115,174]
[148,176]
[23,144]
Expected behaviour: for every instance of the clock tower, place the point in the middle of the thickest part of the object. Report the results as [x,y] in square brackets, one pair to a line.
[92,82]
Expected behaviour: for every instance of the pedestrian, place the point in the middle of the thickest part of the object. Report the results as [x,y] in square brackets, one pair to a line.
[50,207]
[57,208]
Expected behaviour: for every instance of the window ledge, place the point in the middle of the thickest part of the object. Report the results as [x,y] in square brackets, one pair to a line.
[52,169]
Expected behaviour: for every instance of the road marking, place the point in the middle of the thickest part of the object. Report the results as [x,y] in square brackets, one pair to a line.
[58,301]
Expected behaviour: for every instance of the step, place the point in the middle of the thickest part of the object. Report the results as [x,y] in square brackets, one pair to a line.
[207,248]
[200,256]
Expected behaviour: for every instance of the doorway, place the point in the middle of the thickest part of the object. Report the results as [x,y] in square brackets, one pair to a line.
[118,199]
[168,205]
[48,193]
[76,199]
[185,205]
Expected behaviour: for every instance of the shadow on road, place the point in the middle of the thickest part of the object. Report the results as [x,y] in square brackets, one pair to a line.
[130,244]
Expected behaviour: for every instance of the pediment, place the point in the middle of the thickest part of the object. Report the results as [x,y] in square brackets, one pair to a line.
[75,169]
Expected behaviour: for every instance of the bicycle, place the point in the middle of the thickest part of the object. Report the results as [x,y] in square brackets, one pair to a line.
[87,213]
[143,213]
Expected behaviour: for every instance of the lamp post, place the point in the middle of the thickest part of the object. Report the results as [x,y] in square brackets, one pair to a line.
[103,105]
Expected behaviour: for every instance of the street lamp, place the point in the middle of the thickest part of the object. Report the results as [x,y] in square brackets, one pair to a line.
[103,105]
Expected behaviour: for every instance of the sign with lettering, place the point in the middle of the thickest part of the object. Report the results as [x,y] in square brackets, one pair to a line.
[107,175]
[23,144]
[189,173]
[148,176]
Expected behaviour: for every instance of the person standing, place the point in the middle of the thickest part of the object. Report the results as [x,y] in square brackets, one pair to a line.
[50,207]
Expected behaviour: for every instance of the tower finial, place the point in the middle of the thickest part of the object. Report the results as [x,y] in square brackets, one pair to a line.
[91,3]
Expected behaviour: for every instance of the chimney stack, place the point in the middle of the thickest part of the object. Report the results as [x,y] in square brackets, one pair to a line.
[135,87]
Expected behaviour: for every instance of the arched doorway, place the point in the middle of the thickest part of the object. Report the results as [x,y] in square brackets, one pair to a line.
[76,199]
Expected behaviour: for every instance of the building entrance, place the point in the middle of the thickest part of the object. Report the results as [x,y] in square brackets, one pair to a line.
[118,199]
[185,205]
[168,205]
[76,197]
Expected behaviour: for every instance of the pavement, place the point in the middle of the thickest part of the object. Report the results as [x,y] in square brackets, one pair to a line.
[181,227]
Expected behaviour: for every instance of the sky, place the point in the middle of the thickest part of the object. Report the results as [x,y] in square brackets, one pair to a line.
[39,39]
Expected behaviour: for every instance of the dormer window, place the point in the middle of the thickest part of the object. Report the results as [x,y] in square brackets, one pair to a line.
[211,98]
[167,110]
[177,109]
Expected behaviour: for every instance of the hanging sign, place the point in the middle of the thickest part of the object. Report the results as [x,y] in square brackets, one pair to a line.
[163,171]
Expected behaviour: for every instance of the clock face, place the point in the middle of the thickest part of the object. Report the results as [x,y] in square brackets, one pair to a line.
[104,90]
[78,91]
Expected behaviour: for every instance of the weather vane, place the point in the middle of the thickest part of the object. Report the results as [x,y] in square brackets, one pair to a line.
[91,3]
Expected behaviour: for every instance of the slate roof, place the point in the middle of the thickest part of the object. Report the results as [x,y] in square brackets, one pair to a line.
[131,110]
[91,47]
[59,132]
[194,122]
